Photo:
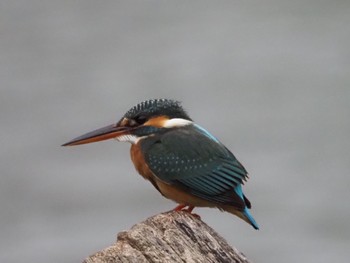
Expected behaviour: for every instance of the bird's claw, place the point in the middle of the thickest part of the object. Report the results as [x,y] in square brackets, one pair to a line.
[189,210]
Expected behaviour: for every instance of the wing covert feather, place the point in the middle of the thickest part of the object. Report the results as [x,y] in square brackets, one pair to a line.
[191,158]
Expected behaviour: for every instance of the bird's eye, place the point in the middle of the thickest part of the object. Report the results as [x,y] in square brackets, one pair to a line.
[141,119]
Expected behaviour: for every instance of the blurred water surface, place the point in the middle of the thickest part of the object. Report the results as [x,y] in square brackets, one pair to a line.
[269,78]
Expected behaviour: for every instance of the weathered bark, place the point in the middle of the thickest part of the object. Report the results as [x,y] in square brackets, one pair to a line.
[169,237]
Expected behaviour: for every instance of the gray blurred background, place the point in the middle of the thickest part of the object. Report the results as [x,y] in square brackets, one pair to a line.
[269,78]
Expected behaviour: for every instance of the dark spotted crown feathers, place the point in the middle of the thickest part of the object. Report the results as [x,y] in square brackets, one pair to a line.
[157,107]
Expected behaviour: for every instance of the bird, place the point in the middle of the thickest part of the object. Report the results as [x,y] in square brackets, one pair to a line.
[181,159]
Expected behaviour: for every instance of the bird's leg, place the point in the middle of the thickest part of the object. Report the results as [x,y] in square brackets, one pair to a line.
[190,209]
[181,207]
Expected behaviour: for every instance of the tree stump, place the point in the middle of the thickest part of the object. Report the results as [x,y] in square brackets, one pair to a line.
[169,237]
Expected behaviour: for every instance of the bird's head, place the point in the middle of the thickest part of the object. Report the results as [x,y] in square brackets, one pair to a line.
[144,119]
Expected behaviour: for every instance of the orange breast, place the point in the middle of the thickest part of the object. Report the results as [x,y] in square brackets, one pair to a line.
[139,162]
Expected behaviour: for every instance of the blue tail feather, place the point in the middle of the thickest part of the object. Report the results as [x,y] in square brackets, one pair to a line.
[246,212]
[250,218]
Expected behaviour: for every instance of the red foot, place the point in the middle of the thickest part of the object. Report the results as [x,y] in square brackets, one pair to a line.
[189,210]
[179,207]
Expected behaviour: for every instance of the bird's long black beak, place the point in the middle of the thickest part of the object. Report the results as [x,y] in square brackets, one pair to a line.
[105,133]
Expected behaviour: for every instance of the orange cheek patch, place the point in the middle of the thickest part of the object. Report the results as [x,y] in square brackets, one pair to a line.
[157,121]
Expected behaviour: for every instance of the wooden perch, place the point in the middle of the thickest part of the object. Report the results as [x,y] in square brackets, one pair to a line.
[169,237]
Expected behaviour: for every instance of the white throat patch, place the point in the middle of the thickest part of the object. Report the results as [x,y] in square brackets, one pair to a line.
[127,138]
[176,122]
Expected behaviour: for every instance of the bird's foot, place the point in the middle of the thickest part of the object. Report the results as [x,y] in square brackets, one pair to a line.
[189,210]
[180,207]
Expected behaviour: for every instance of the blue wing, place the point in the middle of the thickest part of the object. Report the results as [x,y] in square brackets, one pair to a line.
[191,158]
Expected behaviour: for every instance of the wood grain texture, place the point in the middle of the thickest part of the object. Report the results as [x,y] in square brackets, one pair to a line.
[169,237]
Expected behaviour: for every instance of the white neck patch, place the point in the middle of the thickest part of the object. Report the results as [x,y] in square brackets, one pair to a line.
[127,138]
[176,122]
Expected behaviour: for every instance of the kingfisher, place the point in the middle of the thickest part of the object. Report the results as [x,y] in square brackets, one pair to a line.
[182,160]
